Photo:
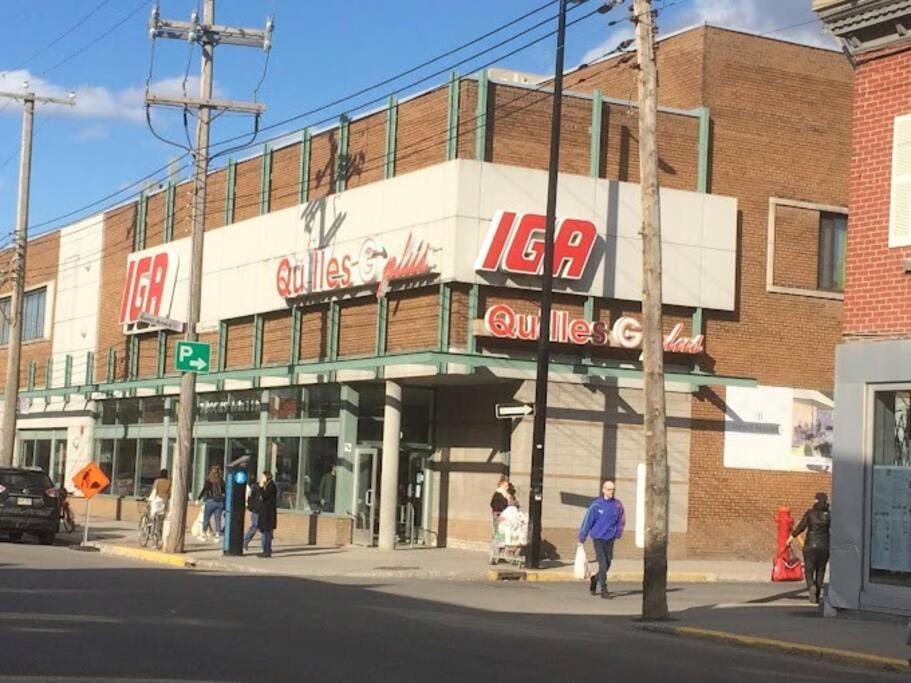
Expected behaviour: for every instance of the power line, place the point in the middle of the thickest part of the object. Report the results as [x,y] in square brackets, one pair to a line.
[379,84]
[63,35]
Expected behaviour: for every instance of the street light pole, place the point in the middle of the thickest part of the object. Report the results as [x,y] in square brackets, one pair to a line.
[547,287]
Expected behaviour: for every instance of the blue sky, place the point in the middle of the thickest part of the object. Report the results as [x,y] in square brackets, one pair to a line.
[321,51]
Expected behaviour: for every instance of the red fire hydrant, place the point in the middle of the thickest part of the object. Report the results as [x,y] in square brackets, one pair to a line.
[786,566]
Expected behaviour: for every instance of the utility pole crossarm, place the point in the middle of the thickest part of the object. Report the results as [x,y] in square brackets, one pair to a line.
[214,35]
[200,103]
[24,96]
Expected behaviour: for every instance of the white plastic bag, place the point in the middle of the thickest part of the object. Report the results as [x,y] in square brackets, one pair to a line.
[580,566]
[196,529]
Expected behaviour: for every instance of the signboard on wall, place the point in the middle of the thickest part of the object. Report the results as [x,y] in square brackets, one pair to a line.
[778,428]
[890,542]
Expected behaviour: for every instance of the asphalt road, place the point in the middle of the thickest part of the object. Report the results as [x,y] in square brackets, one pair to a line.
[69,616]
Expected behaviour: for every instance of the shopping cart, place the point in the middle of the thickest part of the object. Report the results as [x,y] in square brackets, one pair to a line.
[509,535]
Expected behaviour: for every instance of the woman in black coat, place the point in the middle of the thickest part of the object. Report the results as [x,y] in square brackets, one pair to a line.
[268,512]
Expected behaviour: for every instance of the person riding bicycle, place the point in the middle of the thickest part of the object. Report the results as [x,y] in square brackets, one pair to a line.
[160,494]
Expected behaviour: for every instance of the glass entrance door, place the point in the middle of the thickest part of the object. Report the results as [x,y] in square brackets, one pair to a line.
[364,503]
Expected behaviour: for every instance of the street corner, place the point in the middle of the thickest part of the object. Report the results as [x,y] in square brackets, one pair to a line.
[835,655]
[146,555]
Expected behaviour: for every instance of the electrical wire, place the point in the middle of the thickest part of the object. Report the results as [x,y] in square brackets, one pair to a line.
[362,91]
[63,35]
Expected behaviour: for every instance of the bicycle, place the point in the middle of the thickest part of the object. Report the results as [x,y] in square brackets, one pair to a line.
[150,527]
[67,519]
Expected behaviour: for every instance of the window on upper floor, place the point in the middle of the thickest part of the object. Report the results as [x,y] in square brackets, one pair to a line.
[33,309]
[833,231]
[900,195]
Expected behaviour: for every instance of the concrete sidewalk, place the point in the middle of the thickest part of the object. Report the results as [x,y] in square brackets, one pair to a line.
[291,559]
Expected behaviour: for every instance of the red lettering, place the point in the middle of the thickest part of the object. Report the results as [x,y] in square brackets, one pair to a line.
[527,327]
[345,280]
[527,247]
[500,320]
[157,277]
[283,278]
[498,233]
[573,246]
[580,331]
[127,293]
[141,286]
[599,333]
[333,273]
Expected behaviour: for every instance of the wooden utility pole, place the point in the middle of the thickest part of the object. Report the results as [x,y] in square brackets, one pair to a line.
[654,585]
[20,240]
[208,35]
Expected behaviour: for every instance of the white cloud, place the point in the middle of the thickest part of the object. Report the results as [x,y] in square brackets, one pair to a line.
[787,19]
[98,102]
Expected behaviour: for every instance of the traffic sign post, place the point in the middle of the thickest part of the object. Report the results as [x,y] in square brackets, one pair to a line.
[508,411]
[91,481]
[192,357]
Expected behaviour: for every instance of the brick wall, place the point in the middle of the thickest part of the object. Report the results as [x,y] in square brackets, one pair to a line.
[877,290]
[40,267]
[412,320]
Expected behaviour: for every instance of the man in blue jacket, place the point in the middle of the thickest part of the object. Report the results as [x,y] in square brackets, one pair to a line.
[604,522]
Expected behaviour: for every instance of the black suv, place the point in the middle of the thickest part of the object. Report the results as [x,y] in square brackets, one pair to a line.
[29,503]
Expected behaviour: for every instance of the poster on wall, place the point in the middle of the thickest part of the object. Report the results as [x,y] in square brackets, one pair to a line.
[778,428]
[891,526]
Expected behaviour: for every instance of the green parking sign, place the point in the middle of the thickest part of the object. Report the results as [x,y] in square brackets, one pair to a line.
[192,356]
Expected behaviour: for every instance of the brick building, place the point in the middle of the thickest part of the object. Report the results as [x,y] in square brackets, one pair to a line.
[871,544]
[397,252]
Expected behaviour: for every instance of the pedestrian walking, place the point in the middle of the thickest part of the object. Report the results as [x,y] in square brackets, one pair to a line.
[604,522]
[213,497]
[254,503]
[815,522]
[327,491]
[268,512]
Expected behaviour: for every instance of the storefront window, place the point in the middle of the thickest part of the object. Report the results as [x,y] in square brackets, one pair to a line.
[42,455]
[890,546]
[149,465]
[283,456]
[128,411]
[319,478]
[104,456]
[322,400]
[417,404]
[26,453]
[212,407]
[370,413]
[153,411]
[212,452]
[125,468]
[108,412]
[285,404]
[240,406]
[59,461]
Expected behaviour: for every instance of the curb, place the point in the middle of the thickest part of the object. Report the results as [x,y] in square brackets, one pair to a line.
[815,651]
[154,556]
[567,577]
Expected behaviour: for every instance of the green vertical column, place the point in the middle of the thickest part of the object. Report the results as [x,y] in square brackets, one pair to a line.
[392,124]
[229,191]
[332,332]
[594,158]
[472,316]
[160,353]
[112,363]
[452,121]
[139,239]
[32,371]
[257,344]
[265,180]
[294,356]
[705,132]
[480,135]
[382,309]
[89,371]
[169,213]
[697,329]
[166,441]
[303,187]
[134,357]
[347,443]
[67,370]
[221,361]
[443,322]
[261,451]
[341,180]
[49,373]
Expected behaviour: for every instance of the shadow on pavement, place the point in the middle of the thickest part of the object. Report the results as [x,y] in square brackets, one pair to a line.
[164,624]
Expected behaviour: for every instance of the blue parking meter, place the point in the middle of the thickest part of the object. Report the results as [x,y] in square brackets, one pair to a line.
[235,506]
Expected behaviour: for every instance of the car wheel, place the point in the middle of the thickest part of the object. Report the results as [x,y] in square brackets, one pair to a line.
[15,535]
[47,539]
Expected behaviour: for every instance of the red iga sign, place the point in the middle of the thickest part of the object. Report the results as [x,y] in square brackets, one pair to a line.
[328,270]
[503,322]
[149,285]
[515,244]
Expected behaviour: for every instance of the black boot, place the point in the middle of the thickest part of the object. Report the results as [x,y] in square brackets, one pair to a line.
[593,585]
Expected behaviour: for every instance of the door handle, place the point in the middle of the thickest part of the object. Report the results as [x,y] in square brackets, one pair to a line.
[368,498]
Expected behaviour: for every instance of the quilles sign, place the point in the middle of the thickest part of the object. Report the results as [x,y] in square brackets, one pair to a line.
[503,322]
[368,264]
